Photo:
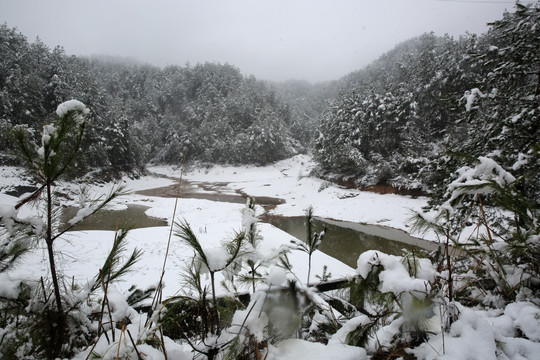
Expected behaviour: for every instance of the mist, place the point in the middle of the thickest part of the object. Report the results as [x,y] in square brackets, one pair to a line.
[273,40]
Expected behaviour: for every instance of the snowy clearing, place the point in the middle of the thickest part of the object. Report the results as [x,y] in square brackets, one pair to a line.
[290,180]
[83,252]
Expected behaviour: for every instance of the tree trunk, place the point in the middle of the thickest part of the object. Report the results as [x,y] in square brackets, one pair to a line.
[309,270]
[214,304]
[49,241]
[57,330]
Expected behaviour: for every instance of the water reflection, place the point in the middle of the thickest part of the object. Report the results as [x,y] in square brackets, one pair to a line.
[134,217]
[346,243]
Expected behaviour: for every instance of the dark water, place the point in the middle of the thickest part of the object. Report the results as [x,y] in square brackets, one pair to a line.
[132,217]
[345,241]
[21,190]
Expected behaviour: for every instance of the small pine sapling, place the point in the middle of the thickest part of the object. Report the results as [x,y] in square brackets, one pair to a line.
[212,261]
[313,240]
[47,162]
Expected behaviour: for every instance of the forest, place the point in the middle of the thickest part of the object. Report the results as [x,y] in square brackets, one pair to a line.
[141,113]
[454,119]
[391,123]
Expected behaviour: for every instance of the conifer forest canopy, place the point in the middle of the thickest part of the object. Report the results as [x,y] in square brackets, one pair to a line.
[393,122]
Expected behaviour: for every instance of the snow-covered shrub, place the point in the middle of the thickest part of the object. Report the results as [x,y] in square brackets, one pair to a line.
[28,311]
[393,302]
[489,263]
[488,219]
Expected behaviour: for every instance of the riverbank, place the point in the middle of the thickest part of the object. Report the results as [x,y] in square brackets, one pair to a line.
[80,254]
[211,200]
[290,181]
[284,188]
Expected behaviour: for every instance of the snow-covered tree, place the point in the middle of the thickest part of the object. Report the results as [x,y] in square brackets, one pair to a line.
[48,162]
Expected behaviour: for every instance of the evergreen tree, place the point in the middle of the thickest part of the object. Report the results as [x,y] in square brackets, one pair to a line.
[48,163]
[503,108]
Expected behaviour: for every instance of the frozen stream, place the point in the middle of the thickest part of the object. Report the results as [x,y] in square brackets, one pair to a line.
[344,240]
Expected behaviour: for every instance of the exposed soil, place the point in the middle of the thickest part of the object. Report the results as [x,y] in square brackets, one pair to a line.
[210,191]
[132,217]
[388,189]
[378,189]
[20,190]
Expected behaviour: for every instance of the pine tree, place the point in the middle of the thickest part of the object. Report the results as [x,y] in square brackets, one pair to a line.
[48,162]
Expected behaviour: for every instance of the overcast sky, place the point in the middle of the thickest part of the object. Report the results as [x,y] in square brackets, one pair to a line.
[314,40]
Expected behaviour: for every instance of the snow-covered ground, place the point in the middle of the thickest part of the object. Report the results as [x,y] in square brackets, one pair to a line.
[290,180]
[82,253]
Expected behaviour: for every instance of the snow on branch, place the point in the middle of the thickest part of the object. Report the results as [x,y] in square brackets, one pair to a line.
[71,105]
[470,97]
[478,178]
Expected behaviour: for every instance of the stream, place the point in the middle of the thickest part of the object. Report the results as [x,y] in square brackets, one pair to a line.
[343,240]
[133,217]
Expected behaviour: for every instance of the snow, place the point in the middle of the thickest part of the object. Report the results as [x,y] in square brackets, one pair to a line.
[9,288]
[217,221]
[470,98]
[252,320]
[48,132]
[41,152]
[487,170]
[295,349]
[276,276]
[290,180]
[522,160]
[11,176]
[217,258]
[395,277]
[81,214]
[122,348]
[476,333]
[84,251]
[340,336]
[526,317]
[248,218]
[7,211]
[120,309]
[81,254]
[71,105]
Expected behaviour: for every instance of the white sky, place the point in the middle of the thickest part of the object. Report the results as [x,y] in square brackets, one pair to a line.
[314,40]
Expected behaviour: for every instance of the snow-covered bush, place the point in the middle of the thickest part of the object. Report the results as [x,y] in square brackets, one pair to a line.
[489,220]
[392,303]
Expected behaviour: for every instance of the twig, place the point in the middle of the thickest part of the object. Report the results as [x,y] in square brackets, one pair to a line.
[134,346]
[105,287]
[442,330]
[484,220]
[120,342]
[43,288]
[163,343]
[93,347]
[267,351]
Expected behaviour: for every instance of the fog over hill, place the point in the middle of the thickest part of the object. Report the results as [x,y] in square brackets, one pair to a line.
[315,40]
